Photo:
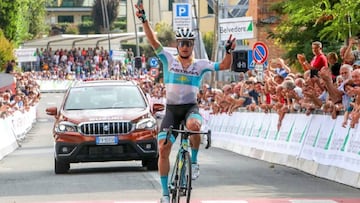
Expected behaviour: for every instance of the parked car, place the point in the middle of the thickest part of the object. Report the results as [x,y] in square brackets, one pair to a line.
[105,120]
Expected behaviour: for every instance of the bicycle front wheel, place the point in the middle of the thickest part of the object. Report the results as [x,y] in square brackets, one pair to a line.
[184,191]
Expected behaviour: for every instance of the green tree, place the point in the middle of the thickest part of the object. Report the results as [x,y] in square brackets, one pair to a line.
[36,18]
[208,40]
[6,51]
[328,21]
[22,19]
[112,7]
[8,18]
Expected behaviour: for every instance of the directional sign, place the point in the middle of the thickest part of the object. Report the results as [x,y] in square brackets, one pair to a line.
[181,15]
[260,52]
[153,62]
[240,28]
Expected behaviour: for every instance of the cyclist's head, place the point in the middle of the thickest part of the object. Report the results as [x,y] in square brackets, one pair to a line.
[185,42]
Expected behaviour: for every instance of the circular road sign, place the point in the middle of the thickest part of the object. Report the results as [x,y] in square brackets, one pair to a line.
[153,62]
[260,52]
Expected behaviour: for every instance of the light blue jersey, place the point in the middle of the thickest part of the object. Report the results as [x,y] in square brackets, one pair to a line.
[183,85]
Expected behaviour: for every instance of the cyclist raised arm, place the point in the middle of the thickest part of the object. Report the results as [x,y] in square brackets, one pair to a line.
[182,79]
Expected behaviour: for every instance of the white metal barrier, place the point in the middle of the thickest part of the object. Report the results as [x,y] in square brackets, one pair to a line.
[316,144]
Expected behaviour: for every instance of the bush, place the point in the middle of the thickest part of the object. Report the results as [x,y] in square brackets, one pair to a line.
[72,29]
[86,27]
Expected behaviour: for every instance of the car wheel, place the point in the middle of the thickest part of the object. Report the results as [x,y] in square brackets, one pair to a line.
[150,164]
[61,167]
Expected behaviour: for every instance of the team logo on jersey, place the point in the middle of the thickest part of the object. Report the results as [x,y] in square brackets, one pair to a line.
[178,69]
[183,78]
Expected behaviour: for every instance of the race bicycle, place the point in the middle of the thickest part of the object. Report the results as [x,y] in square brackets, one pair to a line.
[180,181]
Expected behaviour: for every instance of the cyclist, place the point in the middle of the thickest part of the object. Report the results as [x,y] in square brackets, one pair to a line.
[182,78]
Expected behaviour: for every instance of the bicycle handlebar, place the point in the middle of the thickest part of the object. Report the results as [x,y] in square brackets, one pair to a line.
[170,130]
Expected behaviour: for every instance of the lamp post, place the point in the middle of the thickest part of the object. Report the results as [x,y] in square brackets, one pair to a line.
[106,19]
[136,33]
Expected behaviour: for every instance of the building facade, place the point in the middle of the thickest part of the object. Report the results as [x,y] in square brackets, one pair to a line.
[77,11]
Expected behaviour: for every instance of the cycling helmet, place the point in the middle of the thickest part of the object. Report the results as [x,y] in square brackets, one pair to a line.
[185,33]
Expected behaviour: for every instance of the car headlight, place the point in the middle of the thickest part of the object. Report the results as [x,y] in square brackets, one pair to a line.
[66,127]
[147,123]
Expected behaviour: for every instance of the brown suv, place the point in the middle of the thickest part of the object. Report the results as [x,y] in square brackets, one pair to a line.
[104,120]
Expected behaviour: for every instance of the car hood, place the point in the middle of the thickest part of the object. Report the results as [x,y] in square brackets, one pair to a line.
[78,116]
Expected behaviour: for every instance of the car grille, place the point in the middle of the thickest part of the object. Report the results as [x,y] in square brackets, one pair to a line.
[105,128]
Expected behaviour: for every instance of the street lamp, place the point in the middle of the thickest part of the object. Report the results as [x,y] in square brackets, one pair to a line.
[136,33]
[106,19]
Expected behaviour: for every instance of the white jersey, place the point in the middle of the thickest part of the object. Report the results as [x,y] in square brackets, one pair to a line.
[182,85]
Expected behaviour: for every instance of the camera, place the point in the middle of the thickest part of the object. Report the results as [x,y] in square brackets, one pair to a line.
[313,73]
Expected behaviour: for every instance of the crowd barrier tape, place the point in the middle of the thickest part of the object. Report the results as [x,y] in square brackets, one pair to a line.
[316,144]
[14,129]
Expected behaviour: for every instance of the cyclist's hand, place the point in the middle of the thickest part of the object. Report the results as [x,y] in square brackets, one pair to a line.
[140,13]
[230,44]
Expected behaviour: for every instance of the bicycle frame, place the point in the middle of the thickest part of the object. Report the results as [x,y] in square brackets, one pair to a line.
[180,179]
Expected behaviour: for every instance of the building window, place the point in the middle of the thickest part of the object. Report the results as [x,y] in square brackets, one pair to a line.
[171,4]
[65,19]
[210,10]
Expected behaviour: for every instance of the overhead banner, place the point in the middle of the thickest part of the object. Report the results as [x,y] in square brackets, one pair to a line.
[240,28]
[25,55]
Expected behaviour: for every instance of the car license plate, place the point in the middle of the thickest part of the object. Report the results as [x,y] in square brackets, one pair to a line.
[107,140]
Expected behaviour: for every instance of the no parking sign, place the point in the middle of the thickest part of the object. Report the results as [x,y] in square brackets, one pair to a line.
[260,52]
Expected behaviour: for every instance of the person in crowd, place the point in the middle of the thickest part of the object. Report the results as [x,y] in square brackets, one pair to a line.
[348,86]
[356,65]
[182,77]
[345,60]
[10,67]
[318,62]
[235,101]
[334,64]
[278,66]
[353,54]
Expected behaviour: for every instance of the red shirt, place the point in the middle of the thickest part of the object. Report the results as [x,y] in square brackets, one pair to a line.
[319,61]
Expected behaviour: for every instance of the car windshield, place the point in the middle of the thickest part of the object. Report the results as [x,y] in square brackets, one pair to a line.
[104,97]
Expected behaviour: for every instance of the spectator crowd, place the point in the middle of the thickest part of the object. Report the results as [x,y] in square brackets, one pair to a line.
[330,83]
[27,94]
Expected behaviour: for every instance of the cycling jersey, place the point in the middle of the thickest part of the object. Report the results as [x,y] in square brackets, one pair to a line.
[183,85]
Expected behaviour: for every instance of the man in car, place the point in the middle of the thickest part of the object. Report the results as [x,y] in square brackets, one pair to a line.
[182,78]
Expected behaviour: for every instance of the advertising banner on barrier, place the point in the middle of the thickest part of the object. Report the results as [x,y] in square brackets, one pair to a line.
[315,137]
[352,150]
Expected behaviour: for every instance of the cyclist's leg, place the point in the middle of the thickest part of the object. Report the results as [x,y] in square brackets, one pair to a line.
[164,150]
[193,123]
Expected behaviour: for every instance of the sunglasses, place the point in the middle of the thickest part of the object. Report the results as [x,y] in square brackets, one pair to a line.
[187,43]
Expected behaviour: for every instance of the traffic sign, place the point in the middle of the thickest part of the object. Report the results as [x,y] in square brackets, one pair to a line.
[154,72]
[260,52]
[153,62]
[181,15]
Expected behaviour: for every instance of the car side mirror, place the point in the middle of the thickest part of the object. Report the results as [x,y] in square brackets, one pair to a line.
[51,111]
[158,107]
